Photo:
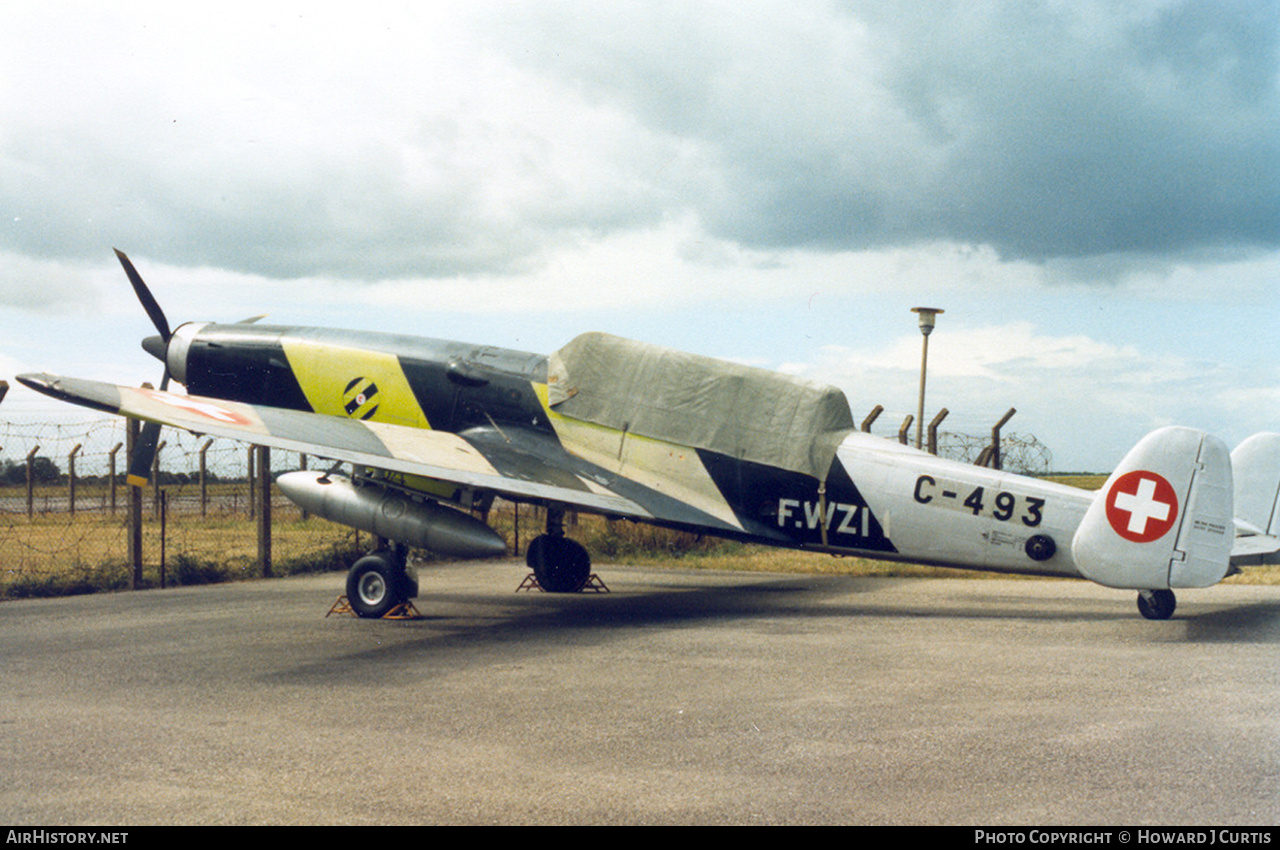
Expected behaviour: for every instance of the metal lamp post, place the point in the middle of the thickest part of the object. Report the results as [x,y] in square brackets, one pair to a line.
[928,317]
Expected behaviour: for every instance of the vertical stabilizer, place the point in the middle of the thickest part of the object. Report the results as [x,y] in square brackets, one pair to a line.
[1164,517]
[1255,465]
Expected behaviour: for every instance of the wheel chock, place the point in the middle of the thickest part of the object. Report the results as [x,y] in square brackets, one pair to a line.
[594,584]
[342,606]
[403,611]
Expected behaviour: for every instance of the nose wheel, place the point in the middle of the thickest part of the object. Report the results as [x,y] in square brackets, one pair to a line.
[1157,604]
[379,582]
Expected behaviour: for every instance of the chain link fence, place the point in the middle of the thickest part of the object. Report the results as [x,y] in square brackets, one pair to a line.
[64,512]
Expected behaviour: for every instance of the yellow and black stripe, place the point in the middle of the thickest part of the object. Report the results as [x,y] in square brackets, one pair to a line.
[497,401]
[360,398]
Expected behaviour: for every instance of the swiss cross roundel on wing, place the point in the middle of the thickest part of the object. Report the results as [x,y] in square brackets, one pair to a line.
[202,408]
[1142,506]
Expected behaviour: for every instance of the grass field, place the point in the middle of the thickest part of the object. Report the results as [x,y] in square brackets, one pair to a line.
[54,553]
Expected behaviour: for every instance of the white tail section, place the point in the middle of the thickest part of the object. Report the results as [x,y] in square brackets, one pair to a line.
[1256,466]
[1164,517]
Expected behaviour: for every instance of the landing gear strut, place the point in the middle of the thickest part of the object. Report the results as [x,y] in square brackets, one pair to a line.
[1157,604]
[559,564]
[379,582]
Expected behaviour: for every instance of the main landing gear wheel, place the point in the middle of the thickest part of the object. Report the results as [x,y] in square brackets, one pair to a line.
[376,584]
[559,564]
[1157,604]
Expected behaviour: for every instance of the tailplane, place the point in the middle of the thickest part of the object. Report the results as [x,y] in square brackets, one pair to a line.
[1164,517]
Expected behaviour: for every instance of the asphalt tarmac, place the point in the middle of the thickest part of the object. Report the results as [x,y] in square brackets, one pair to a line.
[678,698]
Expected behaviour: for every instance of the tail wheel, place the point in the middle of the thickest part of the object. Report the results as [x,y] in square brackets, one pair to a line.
[1157,604]
[559,564]
[376,584]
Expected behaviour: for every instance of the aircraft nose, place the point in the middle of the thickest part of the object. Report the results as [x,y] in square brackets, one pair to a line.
[155,346]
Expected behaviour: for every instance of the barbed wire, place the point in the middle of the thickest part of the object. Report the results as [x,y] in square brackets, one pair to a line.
[1020,453]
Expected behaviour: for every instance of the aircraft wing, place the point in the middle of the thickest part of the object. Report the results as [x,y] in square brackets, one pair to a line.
[488,462]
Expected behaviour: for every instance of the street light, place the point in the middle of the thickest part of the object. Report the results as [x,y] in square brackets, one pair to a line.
[928,317]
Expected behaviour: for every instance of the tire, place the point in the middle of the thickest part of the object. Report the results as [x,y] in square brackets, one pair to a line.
[559,564]
[1157,604]
[375,585]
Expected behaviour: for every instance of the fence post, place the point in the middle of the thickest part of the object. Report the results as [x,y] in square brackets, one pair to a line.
[164,528]
[933,430]
[204,489]
[904,431]
[264,513]
[302,464]
[112,455]
[871,417]
[250,479]
[996,460]
[155,479]
[31,482]
[134,493]
[71,479]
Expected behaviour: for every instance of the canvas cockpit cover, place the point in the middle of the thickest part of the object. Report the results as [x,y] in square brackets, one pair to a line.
[746,413]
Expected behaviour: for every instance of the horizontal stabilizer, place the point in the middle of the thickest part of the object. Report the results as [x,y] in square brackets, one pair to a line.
[1255,466]
[1253,549]
[1164,517]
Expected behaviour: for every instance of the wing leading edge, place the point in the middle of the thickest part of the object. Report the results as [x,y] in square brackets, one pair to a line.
[397,448]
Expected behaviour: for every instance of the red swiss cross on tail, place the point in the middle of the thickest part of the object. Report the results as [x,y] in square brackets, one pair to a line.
[1164,517]
[1142,506]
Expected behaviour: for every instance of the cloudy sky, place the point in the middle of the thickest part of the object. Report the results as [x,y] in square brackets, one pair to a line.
[1090,190]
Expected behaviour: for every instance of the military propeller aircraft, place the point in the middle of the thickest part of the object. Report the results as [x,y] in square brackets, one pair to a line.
[433,429]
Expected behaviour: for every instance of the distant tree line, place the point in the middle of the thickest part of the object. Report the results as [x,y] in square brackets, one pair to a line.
[43,470]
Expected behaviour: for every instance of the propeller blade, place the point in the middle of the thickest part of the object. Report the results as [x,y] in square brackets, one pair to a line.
[144,451]
[144,454]
[144,295]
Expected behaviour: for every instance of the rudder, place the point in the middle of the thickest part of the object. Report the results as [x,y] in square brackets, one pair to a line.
[1164,517]
[1255,464]
[1255,467]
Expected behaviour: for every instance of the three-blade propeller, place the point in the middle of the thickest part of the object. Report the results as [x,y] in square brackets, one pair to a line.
[144,452]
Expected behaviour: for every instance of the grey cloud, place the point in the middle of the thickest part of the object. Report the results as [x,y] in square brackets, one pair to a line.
[1048,131]
[1045,130]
